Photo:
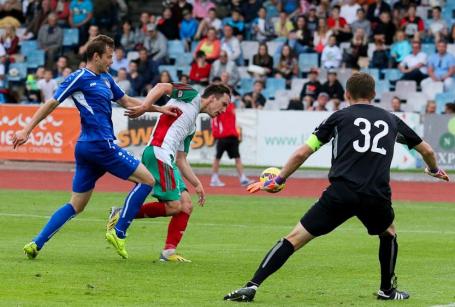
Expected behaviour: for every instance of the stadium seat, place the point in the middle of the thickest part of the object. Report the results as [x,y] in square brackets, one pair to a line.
[374,72]
[370,51]
[442,99]
[322,77]
[273,46]
[243,72]
[28,46]
[308,61]
[381,87]
[429,49]
[275,84]
[271,105]
[175,48]
[282,98]
[416,102]
[405,87]
[35,58]
[171,69]
[423,12]
[386,100]
[193,46]
[432,89]
[70,37]
[17,72]
[296,87]
[392,74]
[249,49]
[184,59]
[184,69]
[245,85]
[343,75]
[451,48]
[132,55]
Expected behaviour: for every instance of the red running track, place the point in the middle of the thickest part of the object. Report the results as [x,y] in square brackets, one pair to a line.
[61,181]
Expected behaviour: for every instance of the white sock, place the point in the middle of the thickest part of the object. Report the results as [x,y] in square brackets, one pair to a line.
[168,252]
[243,177]
[215,177]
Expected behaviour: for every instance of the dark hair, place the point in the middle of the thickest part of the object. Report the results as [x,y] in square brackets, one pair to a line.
[361,86]
[361,10]
[217,90]
[336,7]
[397,98]
[438,8]
[99,45]
[260,82]
[200,54]
[216,79]
[450,106]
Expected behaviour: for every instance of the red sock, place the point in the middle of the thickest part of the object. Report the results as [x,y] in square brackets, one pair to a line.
[176,229]
[155,209]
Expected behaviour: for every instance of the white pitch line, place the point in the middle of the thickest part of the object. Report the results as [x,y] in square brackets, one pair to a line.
[284,227]
[448,305]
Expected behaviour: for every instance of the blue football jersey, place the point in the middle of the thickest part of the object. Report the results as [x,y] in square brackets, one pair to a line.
[92,95]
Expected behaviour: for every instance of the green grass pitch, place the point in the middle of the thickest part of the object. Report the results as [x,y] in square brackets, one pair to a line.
[226,241]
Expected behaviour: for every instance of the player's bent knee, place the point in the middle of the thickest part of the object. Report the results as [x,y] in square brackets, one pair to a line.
[173,207]
[299,236]
[389,232]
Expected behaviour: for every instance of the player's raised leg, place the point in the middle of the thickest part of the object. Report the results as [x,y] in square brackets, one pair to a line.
[388,252]
[272,261]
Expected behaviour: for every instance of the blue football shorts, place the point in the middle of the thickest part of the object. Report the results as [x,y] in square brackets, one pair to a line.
[94,159]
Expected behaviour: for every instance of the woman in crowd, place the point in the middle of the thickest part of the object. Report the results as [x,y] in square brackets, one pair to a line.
[200,69]
[128,37]
[287,66]
[321,36]
[264,60]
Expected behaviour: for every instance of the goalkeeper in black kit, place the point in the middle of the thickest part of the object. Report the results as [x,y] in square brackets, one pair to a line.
[363,138]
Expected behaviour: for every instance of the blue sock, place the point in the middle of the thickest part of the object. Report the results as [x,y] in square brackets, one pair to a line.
[57,220]
[132,205]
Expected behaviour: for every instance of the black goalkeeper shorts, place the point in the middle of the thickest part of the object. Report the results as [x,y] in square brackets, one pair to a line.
[229,144]
[339,203]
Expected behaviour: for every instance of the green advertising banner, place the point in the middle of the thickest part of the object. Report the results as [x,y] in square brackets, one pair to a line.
[440,133]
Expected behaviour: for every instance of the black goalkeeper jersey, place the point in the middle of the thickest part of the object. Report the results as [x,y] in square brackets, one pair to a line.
[362,146]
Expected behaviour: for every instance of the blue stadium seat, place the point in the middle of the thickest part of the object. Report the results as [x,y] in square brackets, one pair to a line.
[382,86]
[184,59]
[175,48]
[308,61]
[374,72]
[28,46]
[171,69]
[442,99]
[245,85]
[35,58]
[20,68]
[70,37]
[194,45]
[392,74]
[274,84]
[429,49]
[184,69]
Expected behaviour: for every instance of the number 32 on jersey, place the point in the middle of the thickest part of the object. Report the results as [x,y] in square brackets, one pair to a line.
[365,129]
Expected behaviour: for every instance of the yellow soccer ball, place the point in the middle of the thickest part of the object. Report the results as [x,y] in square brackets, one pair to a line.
[271,173]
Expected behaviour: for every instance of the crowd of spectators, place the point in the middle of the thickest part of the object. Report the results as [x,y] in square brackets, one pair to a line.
[343,34]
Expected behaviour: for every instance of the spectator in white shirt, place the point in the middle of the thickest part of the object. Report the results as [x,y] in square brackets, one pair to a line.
[231,45]
[122,80]
[47,85]
[119,60]
[349,11]
[438,27]
[413,65]
[331,55]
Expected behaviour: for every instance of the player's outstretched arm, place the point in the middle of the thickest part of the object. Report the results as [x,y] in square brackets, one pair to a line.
[188,173]
[295,161]
[132,103]
[429,157]
[148,105]
[21,136]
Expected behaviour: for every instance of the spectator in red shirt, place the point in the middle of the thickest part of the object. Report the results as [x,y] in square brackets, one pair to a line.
[412,25]
[224,129]
[338,25]
[200,69]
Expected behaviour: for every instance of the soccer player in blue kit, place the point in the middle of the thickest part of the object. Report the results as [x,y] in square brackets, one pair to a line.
[92,90]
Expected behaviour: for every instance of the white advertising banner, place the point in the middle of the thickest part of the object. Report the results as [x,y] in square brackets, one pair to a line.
[267,137]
